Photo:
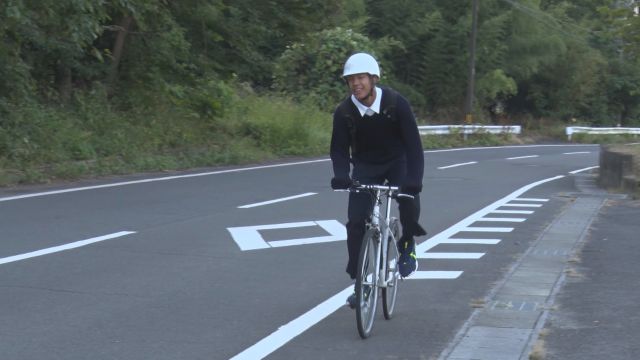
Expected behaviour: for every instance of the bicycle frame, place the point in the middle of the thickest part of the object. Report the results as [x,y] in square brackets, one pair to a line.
[378,192]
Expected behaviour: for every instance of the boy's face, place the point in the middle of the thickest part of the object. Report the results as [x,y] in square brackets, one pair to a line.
[361,86]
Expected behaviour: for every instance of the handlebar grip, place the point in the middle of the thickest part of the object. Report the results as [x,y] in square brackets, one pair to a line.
[406,195]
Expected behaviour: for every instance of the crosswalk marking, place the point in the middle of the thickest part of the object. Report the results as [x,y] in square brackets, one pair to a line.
[450,255]
[471,241]
[502,219]
[487,229]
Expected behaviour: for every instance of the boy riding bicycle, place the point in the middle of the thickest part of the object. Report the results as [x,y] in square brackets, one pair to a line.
[375,130]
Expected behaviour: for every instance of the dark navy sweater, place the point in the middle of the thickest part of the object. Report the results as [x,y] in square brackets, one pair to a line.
[378,139]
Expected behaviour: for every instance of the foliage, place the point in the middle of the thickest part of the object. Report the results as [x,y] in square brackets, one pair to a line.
[92,87]
[314,68]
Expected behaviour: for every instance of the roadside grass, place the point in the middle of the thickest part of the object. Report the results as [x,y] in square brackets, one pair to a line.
[44,143]
[94,136]
[539,351]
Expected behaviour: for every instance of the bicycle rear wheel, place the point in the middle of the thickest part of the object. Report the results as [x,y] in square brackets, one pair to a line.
[390,292]
[366,284]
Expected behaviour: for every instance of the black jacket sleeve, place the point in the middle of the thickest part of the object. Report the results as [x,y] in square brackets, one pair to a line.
[340,143]
[412,141]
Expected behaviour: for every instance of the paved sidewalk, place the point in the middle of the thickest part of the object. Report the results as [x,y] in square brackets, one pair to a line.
[575,294]
[596,313]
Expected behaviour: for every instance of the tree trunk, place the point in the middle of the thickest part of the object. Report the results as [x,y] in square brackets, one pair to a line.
[118,46]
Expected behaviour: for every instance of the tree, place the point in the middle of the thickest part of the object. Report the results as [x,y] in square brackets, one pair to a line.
[314,68]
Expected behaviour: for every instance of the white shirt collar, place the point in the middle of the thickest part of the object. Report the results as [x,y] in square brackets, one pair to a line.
[369,110]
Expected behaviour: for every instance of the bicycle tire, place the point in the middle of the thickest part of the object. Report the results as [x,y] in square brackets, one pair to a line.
[390,292]
[366,284]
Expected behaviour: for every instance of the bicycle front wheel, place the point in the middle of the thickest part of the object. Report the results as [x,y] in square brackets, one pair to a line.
[390,292]
[366,283]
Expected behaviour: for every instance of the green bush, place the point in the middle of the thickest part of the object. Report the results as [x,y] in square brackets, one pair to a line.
[281,127]
[314,68]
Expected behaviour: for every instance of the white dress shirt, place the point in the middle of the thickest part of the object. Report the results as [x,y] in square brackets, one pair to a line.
[369,110]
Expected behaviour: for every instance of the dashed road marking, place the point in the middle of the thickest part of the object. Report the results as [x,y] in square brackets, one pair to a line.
[64,247]
[456,165]
[502,219]
[522,205]
[471,241]
[487,229]
[524,212]
[523,157]
[276,200]
[531,199]
[450,255]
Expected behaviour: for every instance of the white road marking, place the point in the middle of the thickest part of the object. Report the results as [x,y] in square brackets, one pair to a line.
[166,178]
[523,205]
[471,241]
[512,212]
[577,152]
[449,255]
[249,237]
[435,275]
[486,229]
[531,199]
[276,200]
[64,247]
[523,157]
[581,170]
[296,327]
[456,165]
[177,177]
[285,333]
[502,219]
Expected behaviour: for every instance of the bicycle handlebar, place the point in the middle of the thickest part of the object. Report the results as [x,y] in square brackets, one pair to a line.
[394,190]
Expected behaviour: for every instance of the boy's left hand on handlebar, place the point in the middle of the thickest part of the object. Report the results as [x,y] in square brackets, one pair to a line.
[341,183]
[411,189]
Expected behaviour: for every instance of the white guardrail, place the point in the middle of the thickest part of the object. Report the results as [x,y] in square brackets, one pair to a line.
[590,130]
[468,129]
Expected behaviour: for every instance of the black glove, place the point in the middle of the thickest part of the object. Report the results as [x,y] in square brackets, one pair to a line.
[411,189]
[340,183]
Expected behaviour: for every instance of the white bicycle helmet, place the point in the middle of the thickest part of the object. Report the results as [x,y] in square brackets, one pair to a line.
[361,63]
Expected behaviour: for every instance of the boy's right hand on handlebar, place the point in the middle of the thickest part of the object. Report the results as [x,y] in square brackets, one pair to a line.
[341,183]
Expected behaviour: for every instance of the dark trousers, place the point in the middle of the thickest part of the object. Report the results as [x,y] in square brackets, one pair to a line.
[361,206]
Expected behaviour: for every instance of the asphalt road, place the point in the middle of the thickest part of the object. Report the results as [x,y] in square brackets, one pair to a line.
[249,262]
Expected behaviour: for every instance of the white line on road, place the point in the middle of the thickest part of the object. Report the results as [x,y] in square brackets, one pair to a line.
[450,255]
[581,170]
[64,247]
[471,241]
[249,237]
[54,192]
[531,199]
[456,165]
[523,157]
[486,229]
[296,327]
[526,212]
[18,197]
[523,205]
[435,275]
[276,200]
[577,152]
[502,219]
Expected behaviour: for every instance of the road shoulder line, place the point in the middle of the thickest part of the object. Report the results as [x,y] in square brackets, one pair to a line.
[507,325]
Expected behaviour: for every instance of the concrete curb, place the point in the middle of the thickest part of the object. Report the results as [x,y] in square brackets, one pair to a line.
[617,171]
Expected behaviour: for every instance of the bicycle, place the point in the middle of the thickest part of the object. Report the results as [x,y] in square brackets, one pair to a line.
[380,255]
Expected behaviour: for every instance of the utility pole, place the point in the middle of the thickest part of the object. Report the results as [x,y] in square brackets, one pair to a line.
[468,106]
